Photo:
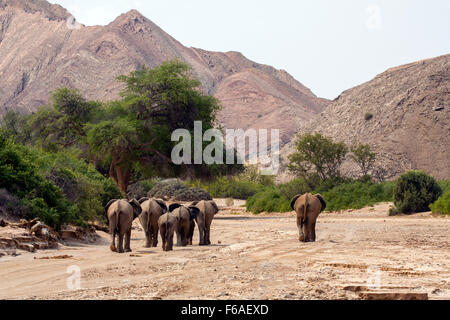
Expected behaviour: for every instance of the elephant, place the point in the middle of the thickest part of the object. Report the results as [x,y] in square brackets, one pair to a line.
[186,224]
[208,210]
[167,224]
[152,209]
[121,214]
[308,207]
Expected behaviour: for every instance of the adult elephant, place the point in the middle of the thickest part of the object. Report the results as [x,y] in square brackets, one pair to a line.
[186,225]
[152,209]
[208,210]
[121,214]
[308,207]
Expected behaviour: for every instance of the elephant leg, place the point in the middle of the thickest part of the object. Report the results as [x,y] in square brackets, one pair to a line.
[309,236]
[313,231]
[300,226]
[201,231]
[169,243]
[179,238]
[147,239]
[113,242]
[120,243]
[154,236]
[208,233]
[127,241]
[162,232]
[191,232]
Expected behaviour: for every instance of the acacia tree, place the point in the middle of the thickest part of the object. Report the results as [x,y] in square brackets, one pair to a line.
[155,102]
[364,157]
[316,154]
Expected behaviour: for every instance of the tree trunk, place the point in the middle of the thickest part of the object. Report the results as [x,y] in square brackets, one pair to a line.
[120,173]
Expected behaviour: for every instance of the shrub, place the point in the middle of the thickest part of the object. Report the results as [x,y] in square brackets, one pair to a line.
[415,191]
[224,187]
[178,191]
[368,116]
[357,195]
[269,200]
[442,205]
[294,187]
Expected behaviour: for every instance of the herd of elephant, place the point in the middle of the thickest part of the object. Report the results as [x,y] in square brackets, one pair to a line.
[156,217]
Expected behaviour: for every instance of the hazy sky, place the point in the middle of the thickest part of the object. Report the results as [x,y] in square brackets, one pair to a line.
[328,45]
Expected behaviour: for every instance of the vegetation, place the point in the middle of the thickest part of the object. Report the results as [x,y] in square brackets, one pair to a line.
[442,205]
[40,197]
[317,156]
[178,191]
[414,192]
[363,157]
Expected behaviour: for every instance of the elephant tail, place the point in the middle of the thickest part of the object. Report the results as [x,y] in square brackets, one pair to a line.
[305,207]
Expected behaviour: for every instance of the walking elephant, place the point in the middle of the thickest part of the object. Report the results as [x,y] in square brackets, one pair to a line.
[121,214]
[208,210]
[152,209]
[308,207]
[167,224]
[186,224]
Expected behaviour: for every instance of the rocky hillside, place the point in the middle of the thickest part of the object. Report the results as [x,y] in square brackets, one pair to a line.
[40,52]
[403,113]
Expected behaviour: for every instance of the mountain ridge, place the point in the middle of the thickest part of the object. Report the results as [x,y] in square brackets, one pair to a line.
[91,57]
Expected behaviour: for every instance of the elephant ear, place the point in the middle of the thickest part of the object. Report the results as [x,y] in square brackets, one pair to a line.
[193,212]
[142,200]
[108,205]
[162,205]
[293,201]
[214,206]
[322,201]
[173,206]
[137,210]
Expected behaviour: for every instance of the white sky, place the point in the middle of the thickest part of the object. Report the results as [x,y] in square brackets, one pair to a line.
[328,45]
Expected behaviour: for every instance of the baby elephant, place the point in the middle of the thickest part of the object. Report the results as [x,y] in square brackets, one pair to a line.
[179,219]
[152,209]
[308,207]
[121,214]
[208,209]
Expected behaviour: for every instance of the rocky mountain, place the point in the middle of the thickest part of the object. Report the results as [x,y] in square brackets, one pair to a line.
[403,113]
[41,49]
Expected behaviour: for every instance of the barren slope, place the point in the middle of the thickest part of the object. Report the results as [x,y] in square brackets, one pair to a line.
[410,128]
[39,53]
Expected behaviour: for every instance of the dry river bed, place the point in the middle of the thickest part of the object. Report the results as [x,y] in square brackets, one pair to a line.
[252,257]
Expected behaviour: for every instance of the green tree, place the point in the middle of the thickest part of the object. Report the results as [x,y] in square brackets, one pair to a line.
[414,192]
[364,157]
[316,154]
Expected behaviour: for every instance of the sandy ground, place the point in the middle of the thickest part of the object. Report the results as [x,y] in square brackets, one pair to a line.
[252,257]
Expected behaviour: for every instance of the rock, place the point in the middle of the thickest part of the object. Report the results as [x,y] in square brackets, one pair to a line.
[25,246]
[3,223]
[393,296]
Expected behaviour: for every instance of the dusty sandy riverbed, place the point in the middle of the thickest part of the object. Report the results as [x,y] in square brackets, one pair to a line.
[252,257]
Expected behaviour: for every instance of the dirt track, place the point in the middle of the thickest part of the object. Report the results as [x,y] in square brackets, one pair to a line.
[252,257]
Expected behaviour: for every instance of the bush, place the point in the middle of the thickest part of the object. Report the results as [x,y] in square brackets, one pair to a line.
[368,116]
[357,195]
[442,205]
[269,200]
[178,191]
[42,198]
[11,205]
[229,188]
[415,191]
[294,187]
[80,183]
